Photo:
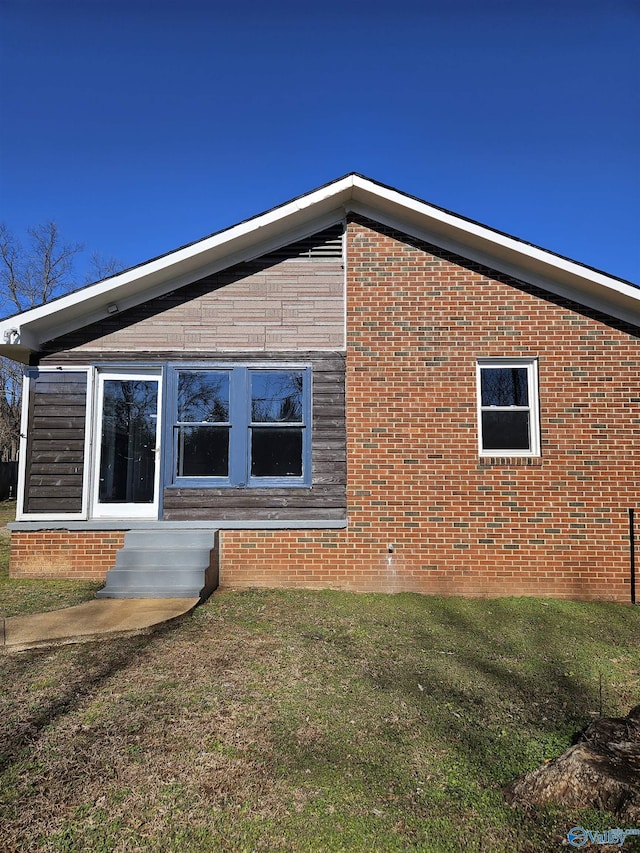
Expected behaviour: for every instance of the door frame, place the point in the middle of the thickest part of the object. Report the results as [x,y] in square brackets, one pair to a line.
[99,510]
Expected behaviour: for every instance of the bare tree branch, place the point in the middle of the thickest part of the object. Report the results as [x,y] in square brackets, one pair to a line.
[31,274]
[101,267]
[10,408]
[10,251]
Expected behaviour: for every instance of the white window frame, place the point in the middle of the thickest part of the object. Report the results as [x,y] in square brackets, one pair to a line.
[531,365]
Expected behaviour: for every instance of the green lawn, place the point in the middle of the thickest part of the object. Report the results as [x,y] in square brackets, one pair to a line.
[309,721]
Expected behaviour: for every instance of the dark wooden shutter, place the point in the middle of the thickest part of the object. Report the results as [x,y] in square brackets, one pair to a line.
[55,442]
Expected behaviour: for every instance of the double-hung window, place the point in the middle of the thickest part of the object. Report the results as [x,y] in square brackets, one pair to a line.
[277,424]
[241,425]
[508,420]
[202,425]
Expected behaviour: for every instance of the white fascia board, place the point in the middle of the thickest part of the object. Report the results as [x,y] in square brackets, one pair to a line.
[242,242]
[297,219]
[505,254]
[468,233]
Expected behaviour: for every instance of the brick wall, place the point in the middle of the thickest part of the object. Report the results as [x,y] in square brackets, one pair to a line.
[418,319]
[71,554]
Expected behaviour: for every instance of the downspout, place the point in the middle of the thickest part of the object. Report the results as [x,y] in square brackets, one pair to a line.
[632,554]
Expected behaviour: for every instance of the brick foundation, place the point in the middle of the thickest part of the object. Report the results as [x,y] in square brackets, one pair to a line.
[346,560]
[70,554]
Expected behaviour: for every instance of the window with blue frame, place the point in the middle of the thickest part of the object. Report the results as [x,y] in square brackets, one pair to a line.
[202,426]
[241,426]
[277,423]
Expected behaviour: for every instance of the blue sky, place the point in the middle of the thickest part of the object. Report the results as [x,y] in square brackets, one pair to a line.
[140,126]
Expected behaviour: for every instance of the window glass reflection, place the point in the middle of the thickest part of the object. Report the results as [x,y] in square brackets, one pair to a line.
[276,396]
[504,386]
[203,396]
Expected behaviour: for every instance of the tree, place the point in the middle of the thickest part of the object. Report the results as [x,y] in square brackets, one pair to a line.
[36,273]
[101,267]
[32,273]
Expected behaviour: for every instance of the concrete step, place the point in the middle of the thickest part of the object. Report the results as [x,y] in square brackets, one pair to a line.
[150,576]
[164,564]
[171,558]
[156,592]
[171,538]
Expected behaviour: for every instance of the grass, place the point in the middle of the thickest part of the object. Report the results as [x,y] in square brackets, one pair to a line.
[19,597]
[309,721]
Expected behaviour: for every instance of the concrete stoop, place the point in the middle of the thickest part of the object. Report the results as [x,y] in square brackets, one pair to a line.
[164,564]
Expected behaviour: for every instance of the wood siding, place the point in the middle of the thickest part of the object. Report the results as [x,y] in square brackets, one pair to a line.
[56,440]
[325,500]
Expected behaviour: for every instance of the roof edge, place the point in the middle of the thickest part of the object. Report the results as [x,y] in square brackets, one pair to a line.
[26,331]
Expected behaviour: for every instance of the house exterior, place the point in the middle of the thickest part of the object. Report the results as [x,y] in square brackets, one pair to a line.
[354,390]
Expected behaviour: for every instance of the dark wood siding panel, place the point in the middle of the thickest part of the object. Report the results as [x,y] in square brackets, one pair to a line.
[323,360]
[320,502]
[325,500]
[55,442]
[62,443]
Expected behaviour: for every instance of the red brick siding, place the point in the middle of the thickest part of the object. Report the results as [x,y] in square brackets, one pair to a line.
[71,554]
[418,319]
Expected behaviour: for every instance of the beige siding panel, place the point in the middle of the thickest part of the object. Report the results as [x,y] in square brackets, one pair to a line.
[294,304]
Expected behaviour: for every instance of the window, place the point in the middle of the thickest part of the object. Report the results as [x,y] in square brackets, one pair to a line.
[508,407]
[202,424]
[242,426]
[277,425]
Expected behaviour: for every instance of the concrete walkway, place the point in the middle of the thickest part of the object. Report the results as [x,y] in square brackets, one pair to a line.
[94,620]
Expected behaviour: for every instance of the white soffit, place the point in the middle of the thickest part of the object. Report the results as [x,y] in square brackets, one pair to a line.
[297,219]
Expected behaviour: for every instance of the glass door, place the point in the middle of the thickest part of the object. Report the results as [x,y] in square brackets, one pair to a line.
[127,449]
